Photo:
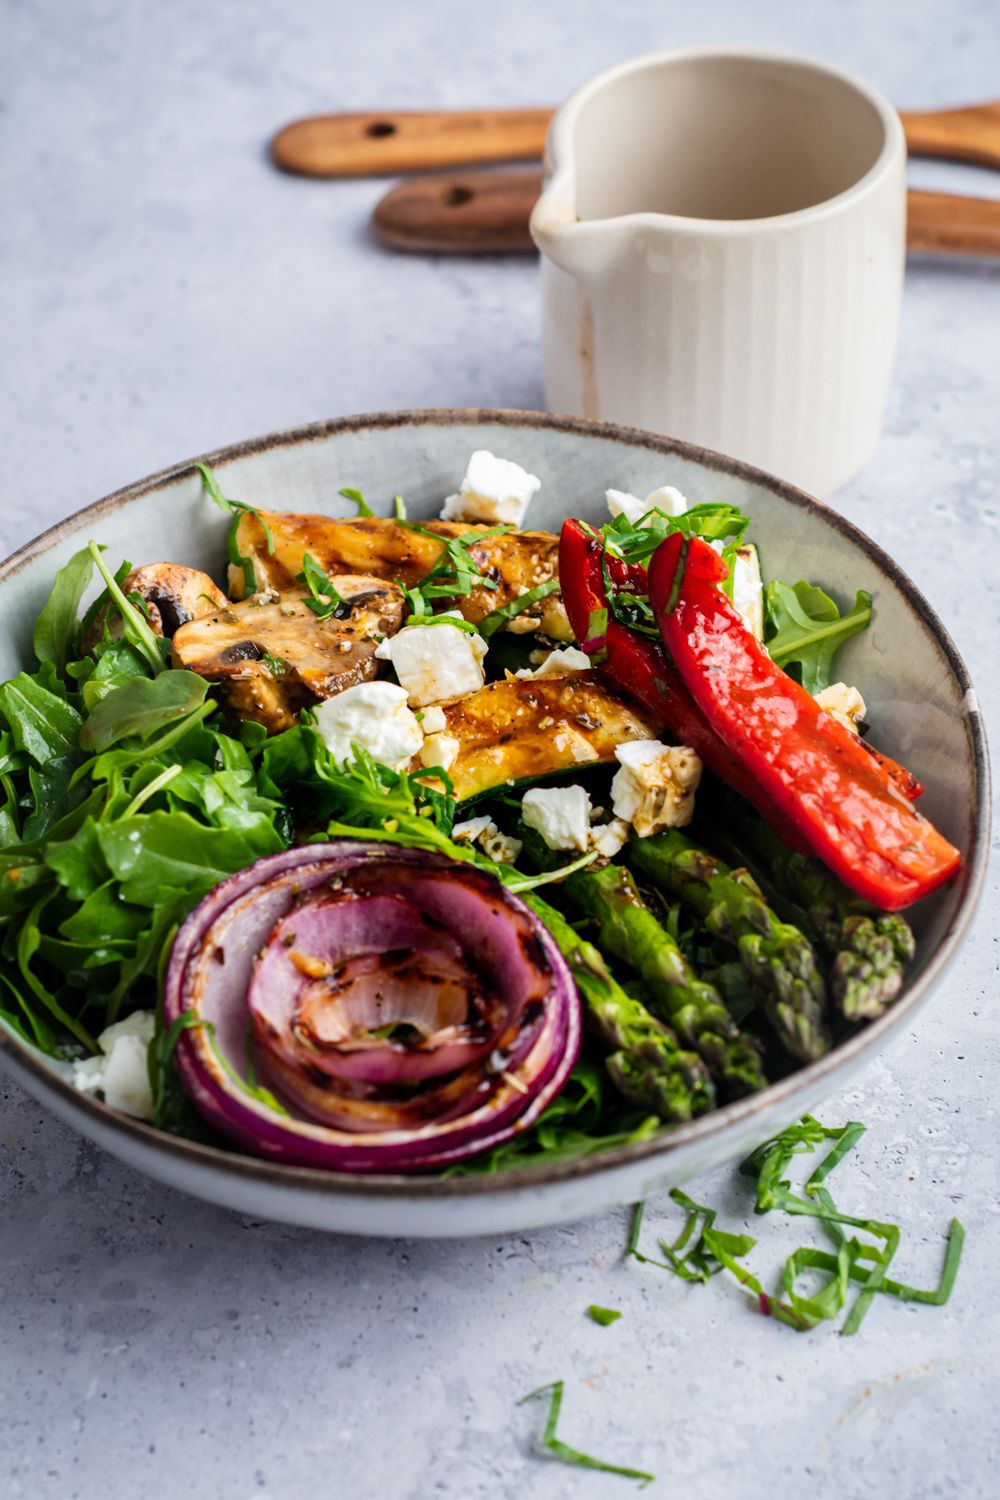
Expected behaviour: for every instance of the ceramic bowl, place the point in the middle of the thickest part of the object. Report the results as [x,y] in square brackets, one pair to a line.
[921,701]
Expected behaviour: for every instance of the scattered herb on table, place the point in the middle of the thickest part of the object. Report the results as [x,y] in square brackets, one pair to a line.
[550,1443]
[702,1250]
[603,1315]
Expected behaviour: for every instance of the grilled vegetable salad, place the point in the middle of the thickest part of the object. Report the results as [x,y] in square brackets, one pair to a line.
[448,844]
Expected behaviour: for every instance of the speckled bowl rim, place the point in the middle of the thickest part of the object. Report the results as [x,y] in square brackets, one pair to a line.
[867,1040]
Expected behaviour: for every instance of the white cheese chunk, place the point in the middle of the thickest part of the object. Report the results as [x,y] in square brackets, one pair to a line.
[440,750]
[434,662]
[88,1074]
[666,499]
[126,1078]
[497,846]
[500,847]
[655,785]
[375,716]
[609,838]
[121,1072]
[433,721]
[748,591]
[562,662]
[494,490]
[843,703]
[471,830]
[561,814]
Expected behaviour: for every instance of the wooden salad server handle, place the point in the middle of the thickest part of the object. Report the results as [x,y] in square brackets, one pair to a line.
[478,213]
[969,134]
[373,145]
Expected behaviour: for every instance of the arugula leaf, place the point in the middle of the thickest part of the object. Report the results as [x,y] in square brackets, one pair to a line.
[586,1117]
[112,664]
[42,724]
[56,625]
[170,851]
[28,941]
[29,1023]
[141,705]
[550,1443]
[807,628]
[135,627]
[78,863]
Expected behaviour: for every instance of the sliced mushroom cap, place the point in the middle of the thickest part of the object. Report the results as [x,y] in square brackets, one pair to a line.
[172,594]
[274,655]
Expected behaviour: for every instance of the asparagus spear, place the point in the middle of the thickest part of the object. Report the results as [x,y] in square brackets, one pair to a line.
[778,958]
[870,949]
[629,931]
[646,1066]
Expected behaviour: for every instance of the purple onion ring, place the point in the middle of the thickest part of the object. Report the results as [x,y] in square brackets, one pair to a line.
[445,1116]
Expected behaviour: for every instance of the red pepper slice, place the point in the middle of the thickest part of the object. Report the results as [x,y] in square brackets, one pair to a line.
[817,774]
[640,666]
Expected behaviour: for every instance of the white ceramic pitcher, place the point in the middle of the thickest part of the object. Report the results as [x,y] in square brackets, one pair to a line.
[723,240]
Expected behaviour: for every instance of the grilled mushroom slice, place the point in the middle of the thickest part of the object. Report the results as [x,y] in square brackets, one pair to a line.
[515,561]
[274,656]
[172,595]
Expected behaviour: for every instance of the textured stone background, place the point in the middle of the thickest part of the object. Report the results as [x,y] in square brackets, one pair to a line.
[162,292]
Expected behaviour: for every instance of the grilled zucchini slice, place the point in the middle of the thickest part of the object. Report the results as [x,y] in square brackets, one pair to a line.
[515,561]
[510,732]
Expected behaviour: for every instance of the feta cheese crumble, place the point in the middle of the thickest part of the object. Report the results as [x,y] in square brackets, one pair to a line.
[748,591]
[655,785]
[497,846]
[121,1072]
[561,814]
[432,720]
[610,838]
[375,716]
[564,817]
[434,662]
[494,490]
[562,662]
[843,703]
[440,750]
[666,498]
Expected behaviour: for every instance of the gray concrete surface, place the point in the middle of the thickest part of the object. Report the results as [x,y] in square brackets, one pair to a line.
[163,291]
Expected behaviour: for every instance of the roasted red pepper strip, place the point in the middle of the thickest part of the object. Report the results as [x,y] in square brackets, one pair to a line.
[847,807]
[581,549]
[640,666]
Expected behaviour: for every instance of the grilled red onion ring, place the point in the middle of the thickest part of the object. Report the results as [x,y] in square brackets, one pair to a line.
[407,1010]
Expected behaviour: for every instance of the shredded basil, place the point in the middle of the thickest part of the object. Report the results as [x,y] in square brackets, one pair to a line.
[702,1250]
[235,509]
[493,621]
[550,1443]
[364,509]
[325,600]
